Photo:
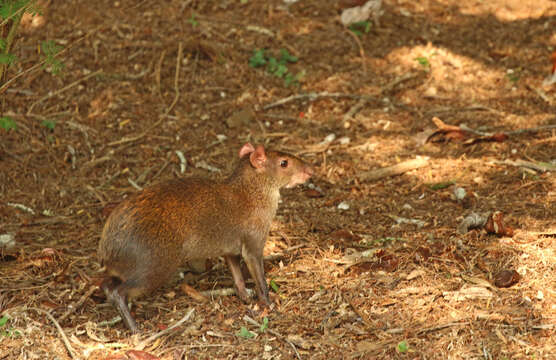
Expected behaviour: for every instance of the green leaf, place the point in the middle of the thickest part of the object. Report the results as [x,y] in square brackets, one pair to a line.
[7,59]
[272,65]
[264,325]
[441,185]
[50,125]
[7,123]
[244,333]
[257,59]
[9,8]
[286,56]
[192,21]
[280,71]
[403,347]
[3,320]
[2,44]
[359,27]
[50,49]
[274,286]
[423,61]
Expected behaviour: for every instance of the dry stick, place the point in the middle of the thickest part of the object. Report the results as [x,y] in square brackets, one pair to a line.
[72,308]
[65,340]
[157,71]
[254,322]
[361,50]
[395,169]
[48,96]
[152,338]
[312,96]
[36,66]
[176,80]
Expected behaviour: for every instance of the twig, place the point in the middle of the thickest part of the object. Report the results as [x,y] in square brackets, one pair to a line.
[397,169]
[150,339]
[527,164]
[254,322]
[312,96]
[224,292]
[65,340]
[157,71]
[541,94]
[361,50]
[72,308]
[176,80]
[50,95]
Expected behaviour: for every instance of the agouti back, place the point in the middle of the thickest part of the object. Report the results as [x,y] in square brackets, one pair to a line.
[152,233]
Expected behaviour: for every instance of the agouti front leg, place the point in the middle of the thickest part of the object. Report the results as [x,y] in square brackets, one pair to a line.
[119,301]
[254,261]
[239,282]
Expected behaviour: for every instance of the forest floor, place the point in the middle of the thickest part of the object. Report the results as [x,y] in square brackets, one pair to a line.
[363,267]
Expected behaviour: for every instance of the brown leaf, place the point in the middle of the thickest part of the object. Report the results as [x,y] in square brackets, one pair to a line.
[495,225]
[312,193]
[342,234]
[389,262]
[197,296]
[506,278]
[140,355]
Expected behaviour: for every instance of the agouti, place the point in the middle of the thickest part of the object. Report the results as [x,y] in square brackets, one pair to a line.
[152,233]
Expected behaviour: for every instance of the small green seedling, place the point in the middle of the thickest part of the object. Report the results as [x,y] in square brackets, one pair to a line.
[50,125]
[513,75]
[403,347]
[360,27]
[192,21]
[423,61]
[7,123]
[441,185]
[274,286]
[7,331]
[264,325]
[258,58]
[49,51]
[277,66]
[244,333]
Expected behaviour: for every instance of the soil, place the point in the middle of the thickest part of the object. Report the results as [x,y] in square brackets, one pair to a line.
[361,268]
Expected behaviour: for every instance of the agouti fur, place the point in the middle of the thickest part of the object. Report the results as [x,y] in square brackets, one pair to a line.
[152,233]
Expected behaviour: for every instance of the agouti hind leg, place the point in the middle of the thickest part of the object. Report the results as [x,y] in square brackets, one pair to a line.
[115,293]
[239,282]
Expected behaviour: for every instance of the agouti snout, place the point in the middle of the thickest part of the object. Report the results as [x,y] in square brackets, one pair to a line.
[152,233]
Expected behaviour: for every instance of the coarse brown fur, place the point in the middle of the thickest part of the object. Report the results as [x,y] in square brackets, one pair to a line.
[149,235]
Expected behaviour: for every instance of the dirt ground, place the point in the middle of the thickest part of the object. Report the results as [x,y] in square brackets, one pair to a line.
[364,268]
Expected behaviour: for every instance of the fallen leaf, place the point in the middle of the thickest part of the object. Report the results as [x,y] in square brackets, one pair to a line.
[506,278]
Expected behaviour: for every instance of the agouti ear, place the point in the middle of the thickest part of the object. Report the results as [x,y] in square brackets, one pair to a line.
[258,157]
[246,149]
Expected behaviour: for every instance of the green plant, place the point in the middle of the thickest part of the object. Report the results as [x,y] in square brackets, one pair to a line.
[360,27]
[11,13]
[50,125]
[7,123]
[49,52]
[277,66]
[513,75]
[264,325]
[6,331]
[274,286]
[423,61]
[403,347]
[192,20]
[244,333]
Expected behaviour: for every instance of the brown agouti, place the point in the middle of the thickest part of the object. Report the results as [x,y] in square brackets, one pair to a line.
[152,233]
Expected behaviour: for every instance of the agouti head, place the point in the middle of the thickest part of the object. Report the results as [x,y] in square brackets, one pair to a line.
[284,170]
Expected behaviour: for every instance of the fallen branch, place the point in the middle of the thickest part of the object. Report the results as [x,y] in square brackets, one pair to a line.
[542,167]
[312,96]
[65,340]
[270,331]
[394,170]
[152,338]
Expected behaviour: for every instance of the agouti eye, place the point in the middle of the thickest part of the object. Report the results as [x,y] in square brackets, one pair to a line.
[284,163]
